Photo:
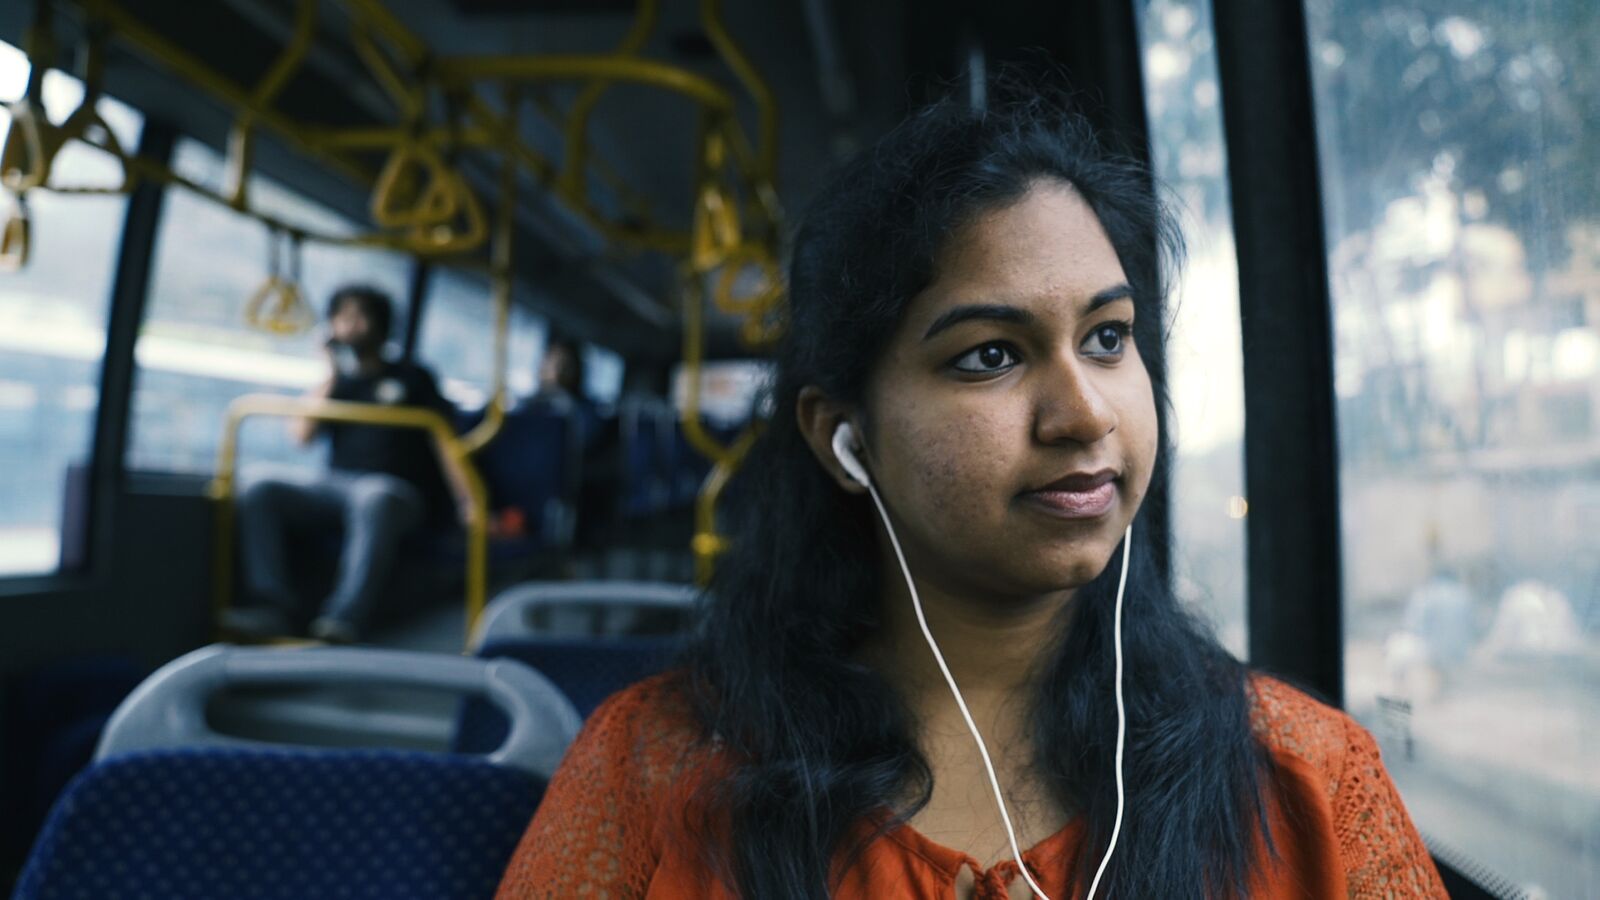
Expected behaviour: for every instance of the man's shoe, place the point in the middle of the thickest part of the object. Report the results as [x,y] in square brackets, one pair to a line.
[334,630]
[254,622]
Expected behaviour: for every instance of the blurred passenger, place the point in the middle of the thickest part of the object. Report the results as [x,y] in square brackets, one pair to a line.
[1436,637]
[381,484]
[561,371]
[562,385]
[1533,622]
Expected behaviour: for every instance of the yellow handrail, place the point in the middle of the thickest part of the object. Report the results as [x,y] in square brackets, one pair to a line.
[222,487]
[707,543]
[501,268]
[15,238]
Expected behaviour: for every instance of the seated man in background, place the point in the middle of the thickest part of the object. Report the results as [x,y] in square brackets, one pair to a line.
[381,483]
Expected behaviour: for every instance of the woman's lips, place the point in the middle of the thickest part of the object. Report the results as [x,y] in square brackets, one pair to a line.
[1075,504]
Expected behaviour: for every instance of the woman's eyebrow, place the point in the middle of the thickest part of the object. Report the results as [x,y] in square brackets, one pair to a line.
[1109,295]
[993,311]
[1000,312]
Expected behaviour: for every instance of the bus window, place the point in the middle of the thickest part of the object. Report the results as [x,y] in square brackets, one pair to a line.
[457,339]
[196,352]
[53,327]
[524,349]
[1203,345]
[602,374]
[1457,154]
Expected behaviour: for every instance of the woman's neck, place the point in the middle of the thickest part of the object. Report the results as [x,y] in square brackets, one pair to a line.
[994,649]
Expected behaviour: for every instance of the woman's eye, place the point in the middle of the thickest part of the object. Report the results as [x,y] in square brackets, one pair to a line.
[1108,339]
[986,360]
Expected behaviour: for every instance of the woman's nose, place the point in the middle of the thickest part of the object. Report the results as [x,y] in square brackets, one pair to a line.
[1072,407]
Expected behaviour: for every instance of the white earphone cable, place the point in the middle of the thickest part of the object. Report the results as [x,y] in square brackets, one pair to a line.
[988,766]
[983,750]
[1122,716]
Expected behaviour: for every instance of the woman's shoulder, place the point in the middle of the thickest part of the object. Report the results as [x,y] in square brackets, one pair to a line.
[1292,723]
[649,729]
[1378,845]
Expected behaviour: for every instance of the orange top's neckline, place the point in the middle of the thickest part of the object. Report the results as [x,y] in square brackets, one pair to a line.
[1050,853]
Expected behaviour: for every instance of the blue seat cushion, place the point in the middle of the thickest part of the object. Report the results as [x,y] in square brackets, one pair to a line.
[246,823]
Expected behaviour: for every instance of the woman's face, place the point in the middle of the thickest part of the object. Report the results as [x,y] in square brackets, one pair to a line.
[1010,393]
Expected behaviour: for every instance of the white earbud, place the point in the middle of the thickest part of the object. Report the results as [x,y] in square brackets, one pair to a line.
[843,438]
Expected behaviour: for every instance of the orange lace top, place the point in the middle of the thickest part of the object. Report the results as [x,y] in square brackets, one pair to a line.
[605,827]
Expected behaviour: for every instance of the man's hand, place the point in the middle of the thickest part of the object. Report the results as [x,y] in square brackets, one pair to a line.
[304,430]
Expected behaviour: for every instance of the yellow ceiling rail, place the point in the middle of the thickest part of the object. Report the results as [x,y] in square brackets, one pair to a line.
[130,30]
[637,204]
[223,483]
[414,148]
[766,105]
[423,204]
[571,185]
[464,71]
[146,169]
[241,138]
[501,267]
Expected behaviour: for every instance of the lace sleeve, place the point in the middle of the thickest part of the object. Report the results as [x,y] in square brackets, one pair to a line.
[593,835]
[1383,854]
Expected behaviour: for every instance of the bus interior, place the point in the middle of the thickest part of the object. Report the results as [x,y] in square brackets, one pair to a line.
[1385,353]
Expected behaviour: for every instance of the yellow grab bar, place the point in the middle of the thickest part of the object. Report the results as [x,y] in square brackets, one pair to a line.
[500,265]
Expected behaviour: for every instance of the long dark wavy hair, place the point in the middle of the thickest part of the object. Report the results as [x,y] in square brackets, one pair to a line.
[821,741]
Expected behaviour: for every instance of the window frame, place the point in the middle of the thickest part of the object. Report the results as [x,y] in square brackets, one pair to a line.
[109,436]
[1294,596]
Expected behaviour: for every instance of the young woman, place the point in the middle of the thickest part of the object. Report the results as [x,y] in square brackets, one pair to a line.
[979,298]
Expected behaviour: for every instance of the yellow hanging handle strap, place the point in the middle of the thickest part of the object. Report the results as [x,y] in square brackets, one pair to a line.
[24,162]
[417,189]
[414,189]
[279,306]
[716,231]
[33,142]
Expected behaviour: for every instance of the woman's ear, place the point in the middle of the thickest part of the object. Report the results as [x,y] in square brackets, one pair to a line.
[818,416]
